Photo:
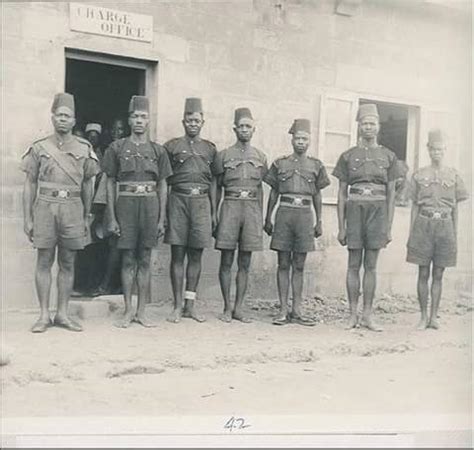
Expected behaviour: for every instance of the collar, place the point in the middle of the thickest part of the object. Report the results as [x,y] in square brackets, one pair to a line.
[242,147]
[192,140]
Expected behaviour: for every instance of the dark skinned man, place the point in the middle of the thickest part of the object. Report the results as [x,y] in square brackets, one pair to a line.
[136,171]
[435,191]
[57,199]
[296,180]
[191,208]
[240,170]
[365,208]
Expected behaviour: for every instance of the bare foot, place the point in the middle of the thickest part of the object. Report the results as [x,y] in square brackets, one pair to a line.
[241,317]
[143,321]
[434,324]
[353,322]
[422,324]
[190,313]
[369,324]
[226,316]
[125,321]
[175,316]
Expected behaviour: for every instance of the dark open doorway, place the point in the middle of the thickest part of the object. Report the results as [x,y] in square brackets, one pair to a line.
[102,92]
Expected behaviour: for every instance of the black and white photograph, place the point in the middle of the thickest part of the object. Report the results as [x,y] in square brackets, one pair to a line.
[236,223]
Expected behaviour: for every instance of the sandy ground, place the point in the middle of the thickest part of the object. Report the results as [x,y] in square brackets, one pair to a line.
[215,368]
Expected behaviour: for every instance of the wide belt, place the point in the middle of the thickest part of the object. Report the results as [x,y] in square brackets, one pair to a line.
[366,191]
[435,214]
[147,188]
[295,201]
[191,191]
[59,193]
[241,194]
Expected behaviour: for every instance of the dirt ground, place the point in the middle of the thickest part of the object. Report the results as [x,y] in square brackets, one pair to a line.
[216,368]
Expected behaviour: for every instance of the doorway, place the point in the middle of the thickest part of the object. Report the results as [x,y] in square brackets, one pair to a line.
[102,86]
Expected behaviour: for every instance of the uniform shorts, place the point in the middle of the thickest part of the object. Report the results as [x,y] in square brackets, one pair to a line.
[432,240]
[294,230]
[138,220]
[189,221]
[240,223]
[59,223]
[367,224]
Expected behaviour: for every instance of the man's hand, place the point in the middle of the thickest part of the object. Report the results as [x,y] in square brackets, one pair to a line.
[88,219]
[341,237]
[268,227]
[113,227]
[318,229]
[28,229]
[161,229]
[389,237]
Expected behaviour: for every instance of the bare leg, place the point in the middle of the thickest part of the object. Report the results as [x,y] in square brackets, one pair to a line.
[369,285]
[129,267]
[436,290]
[244,259]
[225,268]
[283,282]
[43,287]
[193,274]
[143,279]
[422,288]
[66,259]
[353,284]
[178,253]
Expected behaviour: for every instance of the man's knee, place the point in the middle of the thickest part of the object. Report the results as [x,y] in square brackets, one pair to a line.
[438,273]
[370,261]
[45,260]
[194,256]
[424,274]
[244,261]
[298,262]
[66,260]
[227,258]
[128,260]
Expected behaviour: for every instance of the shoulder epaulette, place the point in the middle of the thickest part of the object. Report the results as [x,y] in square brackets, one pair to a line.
[83,141]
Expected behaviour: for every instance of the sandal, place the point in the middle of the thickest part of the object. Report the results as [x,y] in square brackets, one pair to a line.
[302,321]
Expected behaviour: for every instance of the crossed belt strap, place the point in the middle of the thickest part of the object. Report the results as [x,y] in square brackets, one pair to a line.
[299,201]
[368,191]
[58,191]
[191,191]
[241,193]
[437,214]
[137,188]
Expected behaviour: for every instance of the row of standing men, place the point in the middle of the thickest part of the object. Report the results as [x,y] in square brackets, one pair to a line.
[189,192]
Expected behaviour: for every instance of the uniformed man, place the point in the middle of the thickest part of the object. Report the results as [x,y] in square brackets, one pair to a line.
[136,171]
[365,209]
[57,199]
[240,170]
[191,208]
[436,191]
[296,180]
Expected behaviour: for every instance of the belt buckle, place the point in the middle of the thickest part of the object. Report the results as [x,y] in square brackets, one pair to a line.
[195,191]
[297,201]
[244,194]
[141,189]
[436,215]
[62,193]
[366,191]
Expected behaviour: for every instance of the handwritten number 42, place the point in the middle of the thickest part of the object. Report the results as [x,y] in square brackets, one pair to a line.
[236,424]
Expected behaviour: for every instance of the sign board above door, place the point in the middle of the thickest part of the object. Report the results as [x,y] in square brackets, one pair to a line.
[110,22]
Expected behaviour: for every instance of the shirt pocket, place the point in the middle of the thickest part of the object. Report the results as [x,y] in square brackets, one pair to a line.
[127,163]
[150,164]
[181,157]
[233,169]
[254,169]
[356,165]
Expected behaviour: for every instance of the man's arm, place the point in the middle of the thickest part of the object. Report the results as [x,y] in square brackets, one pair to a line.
[413,214]
[162,197]
[341,212]
[318,206]
[29,196]
[455,219]
[390,206]
[212,200]
[113,224]
[272,201]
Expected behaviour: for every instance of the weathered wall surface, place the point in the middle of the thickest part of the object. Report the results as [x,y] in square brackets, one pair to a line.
[278,60]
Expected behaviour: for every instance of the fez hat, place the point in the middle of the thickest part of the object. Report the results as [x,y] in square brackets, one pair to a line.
[139,103]
[63,99]
[368,109]
[192,105]
[240,113]
[94,127]
[300,125]
[436,136]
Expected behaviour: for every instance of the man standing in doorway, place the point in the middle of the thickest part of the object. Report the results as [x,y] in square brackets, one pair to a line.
[365,208]
[296,179]
[436,191]
[57,199]
[136,171]
[240,170]
[191,208]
